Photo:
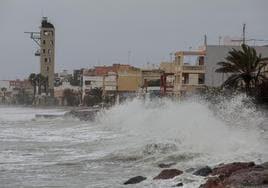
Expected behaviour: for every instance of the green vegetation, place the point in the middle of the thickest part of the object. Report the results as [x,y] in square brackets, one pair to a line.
[40,81]
[247,72]
[3,90]
[71,97]
[246,68]
[93,97]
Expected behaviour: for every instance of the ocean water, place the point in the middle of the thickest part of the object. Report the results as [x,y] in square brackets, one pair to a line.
[128,140]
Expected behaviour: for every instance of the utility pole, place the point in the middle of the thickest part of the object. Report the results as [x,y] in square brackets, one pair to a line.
[205,40]
[171,54]
[220,37]
[244,33]
[128,57]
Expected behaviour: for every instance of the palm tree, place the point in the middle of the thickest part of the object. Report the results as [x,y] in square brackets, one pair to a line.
[246,67]
[33,81]
[41,81]
[3,89]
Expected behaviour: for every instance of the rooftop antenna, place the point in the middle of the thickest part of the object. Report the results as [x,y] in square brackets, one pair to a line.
[205,40]
[171,54]
[220,37]
[128,56]
[244,33]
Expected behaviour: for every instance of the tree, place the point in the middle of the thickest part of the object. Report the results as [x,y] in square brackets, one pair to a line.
[246,68]
[23,97]
[93,97]
[42,82]
[71,97]
[33,81]
[4,90]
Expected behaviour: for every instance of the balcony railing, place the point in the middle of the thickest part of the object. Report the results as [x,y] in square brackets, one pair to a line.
[193,67]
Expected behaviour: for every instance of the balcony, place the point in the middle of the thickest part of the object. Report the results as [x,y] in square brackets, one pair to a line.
[193,68]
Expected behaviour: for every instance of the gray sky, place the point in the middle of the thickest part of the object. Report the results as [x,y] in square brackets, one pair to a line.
[98,32]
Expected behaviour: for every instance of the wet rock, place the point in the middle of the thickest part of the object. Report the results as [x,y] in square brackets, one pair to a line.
[227,169]
[213,182]
[203,171]
[168,174]
[248,177]
[166,165]
[135,180]
[238,175]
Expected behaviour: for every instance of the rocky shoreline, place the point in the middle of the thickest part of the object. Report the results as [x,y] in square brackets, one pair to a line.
[230,175]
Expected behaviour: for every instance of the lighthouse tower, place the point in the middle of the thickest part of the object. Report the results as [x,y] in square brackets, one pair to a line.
[47,52]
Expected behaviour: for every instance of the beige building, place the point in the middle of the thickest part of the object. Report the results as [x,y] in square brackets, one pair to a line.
[189,71]
[129,78]
[184,74]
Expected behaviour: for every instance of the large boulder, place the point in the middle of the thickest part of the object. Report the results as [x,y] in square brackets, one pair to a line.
[248,177]
[204,171]
[168,174]
[227,169]
[213,182]
[238,175]
[135,180]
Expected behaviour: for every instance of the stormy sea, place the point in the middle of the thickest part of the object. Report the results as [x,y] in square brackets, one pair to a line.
[127,140]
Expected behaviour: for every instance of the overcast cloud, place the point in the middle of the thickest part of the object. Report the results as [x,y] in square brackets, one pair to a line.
[98,32]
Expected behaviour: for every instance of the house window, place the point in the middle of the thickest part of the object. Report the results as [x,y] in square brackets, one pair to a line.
[87,82]
[49,60]
[44,51]
[44,41]
[49,51]
[46,33]
[47,69]
[45,59]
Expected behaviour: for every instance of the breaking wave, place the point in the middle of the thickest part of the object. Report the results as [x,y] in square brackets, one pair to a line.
[226,131]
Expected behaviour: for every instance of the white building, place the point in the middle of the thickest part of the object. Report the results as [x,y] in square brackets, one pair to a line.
[107,82]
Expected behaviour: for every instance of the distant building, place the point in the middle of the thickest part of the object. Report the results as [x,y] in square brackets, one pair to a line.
[129,79]
[151,81]
[168,78]
[59,92]
[115,79]
[61,77]
[78,74]
[10,88]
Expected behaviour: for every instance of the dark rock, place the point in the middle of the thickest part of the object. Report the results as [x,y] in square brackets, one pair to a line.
[135,180]
[203,171]
[227,169]
[248,177]
[166,165]
[168,174]
[238,175]
[213,182]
